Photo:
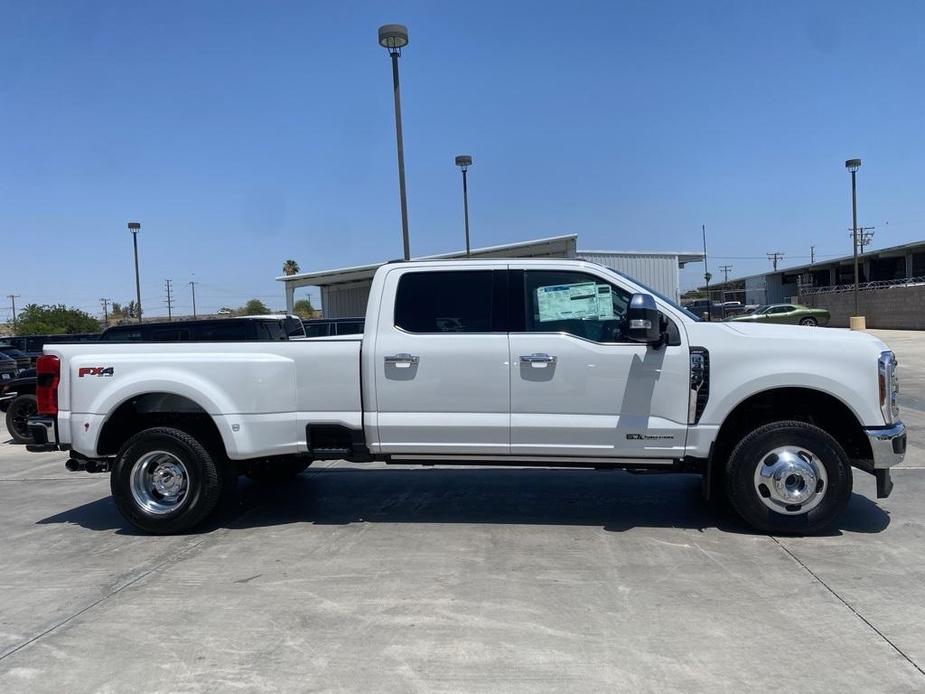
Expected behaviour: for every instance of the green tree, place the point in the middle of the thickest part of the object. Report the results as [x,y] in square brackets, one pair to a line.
[254,307]
[290,267]
[303,308]
[54,320]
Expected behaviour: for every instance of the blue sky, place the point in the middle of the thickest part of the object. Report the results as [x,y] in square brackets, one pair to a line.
[243,133]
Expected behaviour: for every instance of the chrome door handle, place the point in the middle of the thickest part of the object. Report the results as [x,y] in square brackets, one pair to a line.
[402,360]
[537,359]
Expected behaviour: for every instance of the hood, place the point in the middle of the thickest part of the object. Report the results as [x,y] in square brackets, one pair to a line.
[790,333]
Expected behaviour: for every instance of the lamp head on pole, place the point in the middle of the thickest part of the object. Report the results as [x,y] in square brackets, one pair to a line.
[464,161]
[134,227]
[394,37]
[853,165]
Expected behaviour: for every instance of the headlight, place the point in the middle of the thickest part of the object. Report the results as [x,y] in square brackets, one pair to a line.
[889,386]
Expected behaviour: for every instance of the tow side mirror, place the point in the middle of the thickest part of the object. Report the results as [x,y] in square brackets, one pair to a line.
[643,322]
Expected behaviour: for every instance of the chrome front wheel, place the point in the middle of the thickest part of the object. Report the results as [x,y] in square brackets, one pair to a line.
[790,480]
[788,477]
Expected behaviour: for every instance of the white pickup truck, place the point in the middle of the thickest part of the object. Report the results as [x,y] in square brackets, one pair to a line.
[496,362]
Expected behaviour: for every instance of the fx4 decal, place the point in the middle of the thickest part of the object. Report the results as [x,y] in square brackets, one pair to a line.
[94,371]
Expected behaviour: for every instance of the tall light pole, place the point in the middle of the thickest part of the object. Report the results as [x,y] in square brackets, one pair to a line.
[706,273]
[464,161]
[394,37]
[853,165]
[192,285]
[135,227]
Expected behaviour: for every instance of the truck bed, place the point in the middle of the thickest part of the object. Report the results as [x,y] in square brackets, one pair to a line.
[260,394]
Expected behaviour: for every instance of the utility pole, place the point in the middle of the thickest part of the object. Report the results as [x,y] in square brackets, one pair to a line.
[812,255]
[192,285]
[706,272]
[105,304]
[865,236]
[169,301]
[774,257]
[12,298]
[725,269]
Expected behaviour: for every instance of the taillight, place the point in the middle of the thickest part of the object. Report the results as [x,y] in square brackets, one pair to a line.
[48,374]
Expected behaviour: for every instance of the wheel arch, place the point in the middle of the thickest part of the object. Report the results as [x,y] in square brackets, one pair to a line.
[159,408]
[801,403]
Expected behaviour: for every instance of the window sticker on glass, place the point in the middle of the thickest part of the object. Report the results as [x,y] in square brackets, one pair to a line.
[583,301]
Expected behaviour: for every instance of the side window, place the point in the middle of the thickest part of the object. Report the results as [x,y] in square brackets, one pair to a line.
[574,303]
[120,335]
[354,328]
[445,302]
[221,331]
[780,309]
[319,329]
[294,327]
[270,330]
[169,335]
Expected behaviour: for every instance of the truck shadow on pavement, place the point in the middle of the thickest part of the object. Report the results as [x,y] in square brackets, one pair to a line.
[614,500]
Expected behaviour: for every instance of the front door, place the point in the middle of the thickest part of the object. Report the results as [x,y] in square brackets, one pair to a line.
[578,387]
[442,368]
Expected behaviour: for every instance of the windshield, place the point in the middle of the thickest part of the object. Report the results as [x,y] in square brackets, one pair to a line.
[671,302]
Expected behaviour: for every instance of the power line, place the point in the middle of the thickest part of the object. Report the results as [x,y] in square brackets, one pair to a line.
[865,236]
[774,257]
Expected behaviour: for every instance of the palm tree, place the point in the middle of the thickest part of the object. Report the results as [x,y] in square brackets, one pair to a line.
[290,267]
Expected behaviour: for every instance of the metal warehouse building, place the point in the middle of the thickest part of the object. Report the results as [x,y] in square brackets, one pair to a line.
[344,291]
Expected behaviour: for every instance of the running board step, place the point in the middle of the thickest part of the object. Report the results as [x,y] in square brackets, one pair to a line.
[331,453]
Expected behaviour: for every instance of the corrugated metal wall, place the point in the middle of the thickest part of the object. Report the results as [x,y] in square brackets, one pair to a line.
[659,271]
[345,300]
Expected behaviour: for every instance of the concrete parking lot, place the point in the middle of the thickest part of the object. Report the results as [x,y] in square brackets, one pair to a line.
[475,580]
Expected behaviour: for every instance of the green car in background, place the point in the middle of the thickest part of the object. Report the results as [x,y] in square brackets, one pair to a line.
[792,314]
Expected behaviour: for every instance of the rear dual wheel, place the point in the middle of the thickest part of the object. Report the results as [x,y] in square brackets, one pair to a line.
[789,477]
[165,481]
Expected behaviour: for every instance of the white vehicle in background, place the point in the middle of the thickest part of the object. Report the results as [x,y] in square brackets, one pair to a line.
[494,362]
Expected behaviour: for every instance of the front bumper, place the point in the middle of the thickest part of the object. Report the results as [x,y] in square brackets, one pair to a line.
[888,448]
[44,430]
[888,445]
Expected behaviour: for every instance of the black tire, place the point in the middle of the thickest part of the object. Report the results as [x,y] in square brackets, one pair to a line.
[205,480]
[809,320]
[276,470]
[751,452]
[18,412]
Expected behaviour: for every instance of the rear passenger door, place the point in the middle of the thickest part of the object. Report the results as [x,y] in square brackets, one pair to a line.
[442,372]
